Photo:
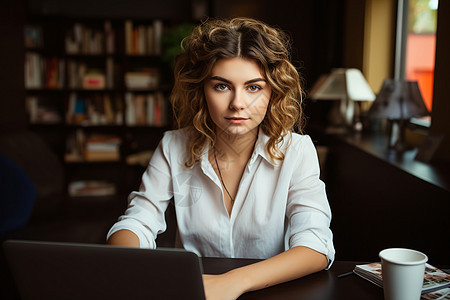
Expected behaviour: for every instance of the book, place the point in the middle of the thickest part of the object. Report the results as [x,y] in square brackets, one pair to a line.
[75,146]
[75,73]
[94,81]
[34,70]
[441,294]
[93,156]
[146,109]
[139,103]
[81,39]
[85,188]
[128,28]
[142,79]
[434,278]
[52,73]
[141,158]
[157,36]
[109,37]
[96,109]
[130,111]
[109,73]
[33,36]
[102,148]
[42,112]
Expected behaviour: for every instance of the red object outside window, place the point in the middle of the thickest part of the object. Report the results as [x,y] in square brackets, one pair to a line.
[420,54]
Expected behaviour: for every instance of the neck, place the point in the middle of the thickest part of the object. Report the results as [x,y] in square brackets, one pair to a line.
[236,147]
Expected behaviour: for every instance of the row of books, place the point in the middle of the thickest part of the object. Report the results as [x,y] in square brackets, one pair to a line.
[81,76]
[100,109]
[95,109]
[43,72]
[94,147]
[42,113]
[146,109]
[90,40]
[48,72]
[81,39]
[143,39]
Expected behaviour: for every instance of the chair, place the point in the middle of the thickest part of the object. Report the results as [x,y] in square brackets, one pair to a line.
[41,165]
[17,196]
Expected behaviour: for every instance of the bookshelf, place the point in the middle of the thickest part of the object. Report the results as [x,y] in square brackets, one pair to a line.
[97,92]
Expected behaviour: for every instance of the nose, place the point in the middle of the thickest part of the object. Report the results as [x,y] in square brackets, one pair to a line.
[237,101]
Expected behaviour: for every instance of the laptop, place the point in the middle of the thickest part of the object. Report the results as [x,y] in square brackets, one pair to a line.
[51,270]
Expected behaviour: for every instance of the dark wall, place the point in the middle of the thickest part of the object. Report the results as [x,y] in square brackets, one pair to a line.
[12,93]
[353,37]
[136,9]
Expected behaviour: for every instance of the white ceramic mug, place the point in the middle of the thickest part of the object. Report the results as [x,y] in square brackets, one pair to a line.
[403,273]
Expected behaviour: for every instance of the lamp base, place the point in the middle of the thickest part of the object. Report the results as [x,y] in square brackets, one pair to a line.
[397,136]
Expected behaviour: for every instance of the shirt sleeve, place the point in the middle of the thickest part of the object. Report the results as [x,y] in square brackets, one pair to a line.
[146,207]
[308,210]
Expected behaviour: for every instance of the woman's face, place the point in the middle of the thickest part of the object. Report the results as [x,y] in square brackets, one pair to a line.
[237,96]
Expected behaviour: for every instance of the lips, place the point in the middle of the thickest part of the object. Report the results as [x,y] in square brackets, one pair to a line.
[236,120]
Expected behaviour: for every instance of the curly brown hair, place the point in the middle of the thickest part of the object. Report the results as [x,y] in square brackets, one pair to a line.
[230,38]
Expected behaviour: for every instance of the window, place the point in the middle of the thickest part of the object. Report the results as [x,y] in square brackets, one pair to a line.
[415,54]
[421,46]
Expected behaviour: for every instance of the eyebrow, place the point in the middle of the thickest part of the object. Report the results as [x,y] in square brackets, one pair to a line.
[229,82]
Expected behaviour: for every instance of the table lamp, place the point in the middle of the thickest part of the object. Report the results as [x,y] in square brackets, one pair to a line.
[398,101]
[347,86]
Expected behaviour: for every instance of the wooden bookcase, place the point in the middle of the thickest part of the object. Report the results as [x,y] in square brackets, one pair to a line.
[97,92]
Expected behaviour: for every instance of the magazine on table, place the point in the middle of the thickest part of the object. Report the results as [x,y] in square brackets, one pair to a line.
[442,294]
[435,279]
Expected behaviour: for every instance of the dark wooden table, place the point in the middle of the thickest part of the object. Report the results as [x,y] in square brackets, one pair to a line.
[321,286]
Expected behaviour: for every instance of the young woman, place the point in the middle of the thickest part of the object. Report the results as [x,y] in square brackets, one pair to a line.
[243,183]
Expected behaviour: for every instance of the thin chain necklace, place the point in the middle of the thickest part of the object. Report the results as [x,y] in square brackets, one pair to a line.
[220,175]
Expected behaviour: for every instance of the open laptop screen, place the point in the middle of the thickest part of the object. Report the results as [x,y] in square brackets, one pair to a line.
[49,270]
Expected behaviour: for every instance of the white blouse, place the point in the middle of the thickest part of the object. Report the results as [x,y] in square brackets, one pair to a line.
[278,205]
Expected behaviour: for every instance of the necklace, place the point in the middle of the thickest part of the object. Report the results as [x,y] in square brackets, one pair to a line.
[220,175]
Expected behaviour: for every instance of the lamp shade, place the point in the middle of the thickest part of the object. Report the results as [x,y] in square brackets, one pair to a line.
[357,87]
[399,100]
[342,84]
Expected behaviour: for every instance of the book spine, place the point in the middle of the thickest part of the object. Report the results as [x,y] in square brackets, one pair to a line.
[128,37]
[158,30]
[150,109]
[109,38]
[130,113]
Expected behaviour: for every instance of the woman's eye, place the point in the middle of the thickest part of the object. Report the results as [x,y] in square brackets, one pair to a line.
[254,88]
[221,87]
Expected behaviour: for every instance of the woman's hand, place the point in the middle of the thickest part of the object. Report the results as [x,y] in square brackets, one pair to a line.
[224,286]
[291,264]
